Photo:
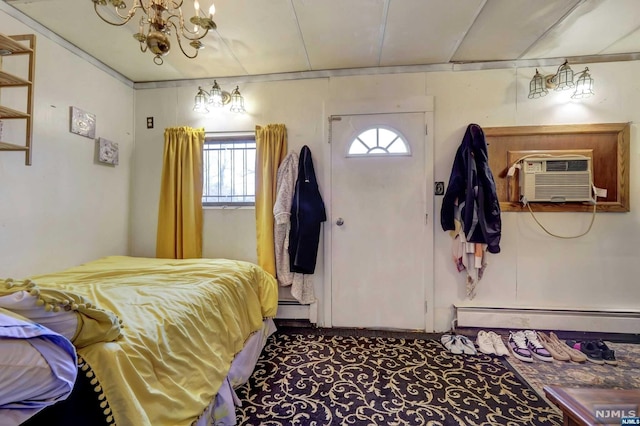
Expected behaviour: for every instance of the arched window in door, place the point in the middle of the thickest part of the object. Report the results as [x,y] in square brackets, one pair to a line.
[379,141]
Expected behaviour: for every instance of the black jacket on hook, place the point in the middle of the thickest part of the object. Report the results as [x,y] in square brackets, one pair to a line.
[307,213]
[472,185]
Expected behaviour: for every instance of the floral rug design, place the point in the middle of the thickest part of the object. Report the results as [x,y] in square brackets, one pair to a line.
[306,379]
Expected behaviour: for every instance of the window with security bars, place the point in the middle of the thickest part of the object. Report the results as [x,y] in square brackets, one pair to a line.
[229,171]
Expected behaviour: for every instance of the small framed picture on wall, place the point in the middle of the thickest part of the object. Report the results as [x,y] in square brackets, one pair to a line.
[83,123]
[107,152]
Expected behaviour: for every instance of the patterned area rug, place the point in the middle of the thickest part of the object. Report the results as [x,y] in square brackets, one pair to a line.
[305,379]
[625,375]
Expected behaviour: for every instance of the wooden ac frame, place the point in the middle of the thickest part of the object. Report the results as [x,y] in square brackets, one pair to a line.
[607,144]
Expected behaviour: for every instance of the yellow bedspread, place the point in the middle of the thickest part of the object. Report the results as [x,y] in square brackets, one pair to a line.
[183,322]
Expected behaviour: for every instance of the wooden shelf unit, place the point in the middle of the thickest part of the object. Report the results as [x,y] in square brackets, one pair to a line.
[24,44]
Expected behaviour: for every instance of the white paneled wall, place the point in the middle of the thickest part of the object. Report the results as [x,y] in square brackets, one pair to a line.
[533,269]
[66,208]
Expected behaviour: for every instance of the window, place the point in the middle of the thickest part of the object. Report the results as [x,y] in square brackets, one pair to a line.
[229,171]
[378,141]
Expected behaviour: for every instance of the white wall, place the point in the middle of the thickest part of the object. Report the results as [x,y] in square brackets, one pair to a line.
[65,208]
[596,271]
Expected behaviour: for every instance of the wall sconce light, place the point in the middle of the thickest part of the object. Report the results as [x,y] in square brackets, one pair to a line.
[218,98]
[563,79]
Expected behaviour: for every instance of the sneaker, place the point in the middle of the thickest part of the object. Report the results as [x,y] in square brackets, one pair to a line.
[589,348]
[556,351]
[485,344]
[608,355]
[498,345]
[518,346]
[535,347]
[574,354]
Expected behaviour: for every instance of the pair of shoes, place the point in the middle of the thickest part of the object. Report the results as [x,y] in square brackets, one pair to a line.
[535,347]
[518,346]
[596,351]
[525,346]
[491,343]
[556,350]
[574,354]
[589,348]
[457,344]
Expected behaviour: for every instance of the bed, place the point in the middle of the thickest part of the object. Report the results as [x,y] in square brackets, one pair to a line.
[159,342]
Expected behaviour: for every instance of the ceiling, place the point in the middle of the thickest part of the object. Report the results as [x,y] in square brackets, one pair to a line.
[295,36]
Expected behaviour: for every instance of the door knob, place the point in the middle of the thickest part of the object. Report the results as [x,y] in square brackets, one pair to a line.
[340,221]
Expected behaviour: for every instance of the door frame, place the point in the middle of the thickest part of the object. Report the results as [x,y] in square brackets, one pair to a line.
[410,104]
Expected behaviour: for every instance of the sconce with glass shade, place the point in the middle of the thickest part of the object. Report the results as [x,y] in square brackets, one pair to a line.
[218,98]
[159,19]
[562,80]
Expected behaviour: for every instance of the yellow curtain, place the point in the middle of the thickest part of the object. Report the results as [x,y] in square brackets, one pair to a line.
[180,211]
[271,148]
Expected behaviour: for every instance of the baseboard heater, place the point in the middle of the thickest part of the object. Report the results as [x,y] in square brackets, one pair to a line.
[291,309]
[591,320]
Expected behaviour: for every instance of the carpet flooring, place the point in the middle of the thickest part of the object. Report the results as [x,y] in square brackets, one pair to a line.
[313,379]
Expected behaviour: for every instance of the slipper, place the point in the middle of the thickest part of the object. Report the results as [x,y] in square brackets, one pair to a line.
[467,346]
[452,344]
[446,340]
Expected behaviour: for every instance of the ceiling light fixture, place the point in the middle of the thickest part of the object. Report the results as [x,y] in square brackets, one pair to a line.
[158,19]
[563,79]
[218,98]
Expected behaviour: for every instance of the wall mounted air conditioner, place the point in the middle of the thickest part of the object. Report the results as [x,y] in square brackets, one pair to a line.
[558,180]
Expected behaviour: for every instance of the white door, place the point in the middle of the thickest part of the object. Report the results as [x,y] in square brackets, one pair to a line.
[381,221]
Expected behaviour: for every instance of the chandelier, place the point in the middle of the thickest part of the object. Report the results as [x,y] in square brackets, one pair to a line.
[159,18]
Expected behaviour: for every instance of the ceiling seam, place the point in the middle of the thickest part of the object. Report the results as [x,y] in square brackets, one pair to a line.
[621,38]
[304,44]
[473,21]
[383,29]
[232,53]
[555,24]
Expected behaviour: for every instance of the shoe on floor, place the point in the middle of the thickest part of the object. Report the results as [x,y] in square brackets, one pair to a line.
[574,354]
[535,347]
[467,345]
[608,355]
[452,344]
[557,351]
[589,348]
[498,345]
[518,346]
[485,344]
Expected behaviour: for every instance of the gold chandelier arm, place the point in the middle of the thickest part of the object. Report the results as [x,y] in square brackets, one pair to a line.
[177,4]
[126,19]
[180,42]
